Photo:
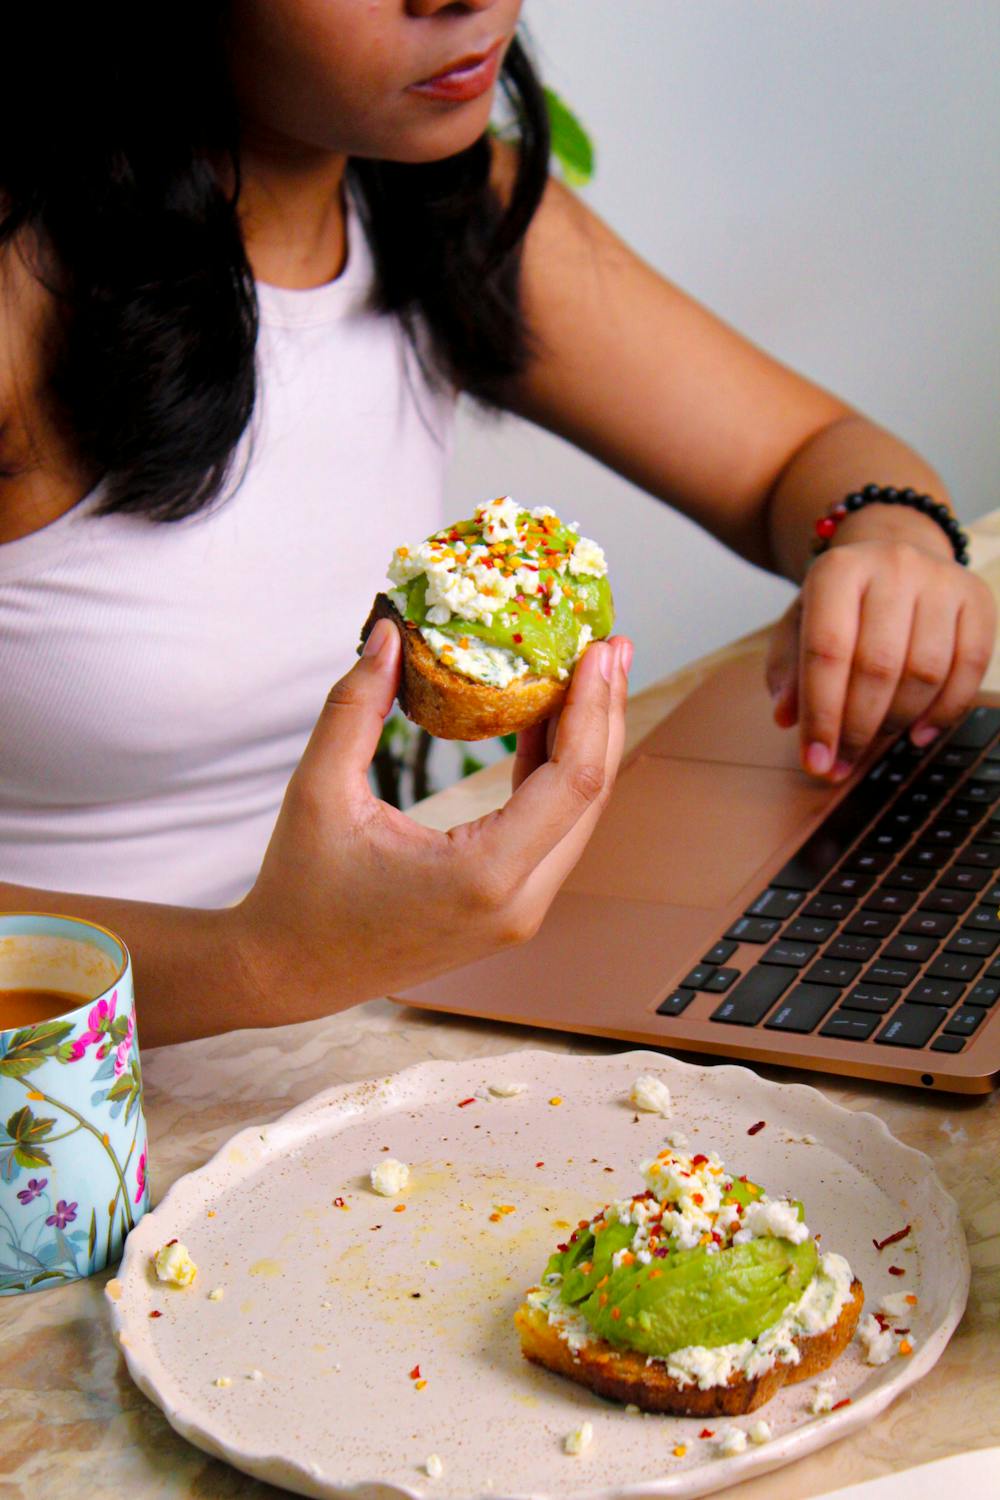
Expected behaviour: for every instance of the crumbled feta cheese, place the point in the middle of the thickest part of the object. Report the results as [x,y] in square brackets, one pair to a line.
[498,519]
[580,1438]
[174,1264]
[588,559]
[879,1346]
[760,1432]
[821,1403]
[895,1305]
[389,1176]
[434,1467]
[732,1440]
[507,1089]
[494,666]
[216,1294]
[223,1380]
[777,1217]
[651,1094]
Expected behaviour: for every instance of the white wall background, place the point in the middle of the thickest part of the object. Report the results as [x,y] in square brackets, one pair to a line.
[825,174]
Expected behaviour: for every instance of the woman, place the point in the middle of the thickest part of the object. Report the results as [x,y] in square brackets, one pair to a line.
[248,261]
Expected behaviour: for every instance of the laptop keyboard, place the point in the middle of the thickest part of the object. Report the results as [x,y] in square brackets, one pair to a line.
[883,926]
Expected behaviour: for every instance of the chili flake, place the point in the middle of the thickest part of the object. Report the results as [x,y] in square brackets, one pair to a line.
[418,1385]
[555,1099]
[755,1128]
[616,1313]
[838,1404]
[680,1450]
[156,1313]
[896,1271]
[400,1208]
[517,639]
[892,1239]
[906,1347]
[463,1102]
[699,1160]
[415,1373]
[339,1203]
[707,1432]
[539,1164]
[911,1299]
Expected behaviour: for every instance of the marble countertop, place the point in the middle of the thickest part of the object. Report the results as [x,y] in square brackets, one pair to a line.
[72,1423]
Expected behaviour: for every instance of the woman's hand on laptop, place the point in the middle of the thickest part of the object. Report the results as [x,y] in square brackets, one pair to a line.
[885,635]
[354,899]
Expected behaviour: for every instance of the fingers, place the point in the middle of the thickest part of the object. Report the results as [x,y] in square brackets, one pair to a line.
[974,640]
[928,663]
[558,792]
[781,670]
[346,734]
[530,754]
[875,671]
[828,633]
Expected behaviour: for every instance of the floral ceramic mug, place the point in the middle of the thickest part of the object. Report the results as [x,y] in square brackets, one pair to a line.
[73,1154]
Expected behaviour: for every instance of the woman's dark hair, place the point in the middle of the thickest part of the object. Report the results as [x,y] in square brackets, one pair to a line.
[113,123]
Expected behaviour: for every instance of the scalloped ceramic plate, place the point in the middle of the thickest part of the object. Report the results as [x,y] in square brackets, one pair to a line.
[336,1297]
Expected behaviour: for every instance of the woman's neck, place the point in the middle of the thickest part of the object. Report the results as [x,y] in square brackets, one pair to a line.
[292,213]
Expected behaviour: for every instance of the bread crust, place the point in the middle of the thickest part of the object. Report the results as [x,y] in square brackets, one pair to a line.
[623,1375]
[453,707]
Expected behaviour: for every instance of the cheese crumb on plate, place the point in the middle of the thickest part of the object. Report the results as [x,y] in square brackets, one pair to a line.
[651,1094]
[174,1265]
[390,1176]
[580,1438]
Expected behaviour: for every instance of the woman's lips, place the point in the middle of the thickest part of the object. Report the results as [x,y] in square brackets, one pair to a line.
[467,78]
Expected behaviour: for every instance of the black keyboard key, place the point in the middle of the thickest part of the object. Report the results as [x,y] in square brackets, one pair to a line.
[866,862]
[983,919]
[951,755]
[803,1009]
[982,944]
[985,793]
[823,848]
[874,924]
[960,878]
[955,966]
[753,929]
[698,977]
[935,992]
[984,993]
[854,949]
[927,856]
[944,1043]
[987,772]
[677,1001]
[877,998]
[987,833]
[907,878]
[793,955]
[976,730]
[720,952]
[850,1026]
[947,900]
[965,813]
[886,840]
[834,907]
[720,981]
[886,971]
[935,924]
[944,835]
[832,971]
[993,972]
[775,903]
[753,997]
[983,856]
[848,885]
[965,1021]
[910,949]
[911,1025]
[936,780]
[810,930]
[890,901]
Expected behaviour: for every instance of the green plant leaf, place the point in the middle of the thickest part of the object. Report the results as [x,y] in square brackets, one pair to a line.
[571,145]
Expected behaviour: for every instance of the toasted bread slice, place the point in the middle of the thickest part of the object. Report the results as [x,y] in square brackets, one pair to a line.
[453,707]
[623,1375]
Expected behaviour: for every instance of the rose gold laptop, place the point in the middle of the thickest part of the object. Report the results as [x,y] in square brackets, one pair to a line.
[728,904]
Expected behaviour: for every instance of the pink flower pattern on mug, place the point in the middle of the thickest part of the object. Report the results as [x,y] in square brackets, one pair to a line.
[123,1048]
[140,1178]
[98,1025]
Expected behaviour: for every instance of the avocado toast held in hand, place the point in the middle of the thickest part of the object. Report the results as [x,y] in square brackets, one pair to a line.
[700,1296]
[494,613]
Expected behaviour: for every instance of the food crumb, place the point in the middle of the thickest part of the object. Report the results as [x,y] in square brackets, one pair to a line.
[680,1450]
[434,1467]
[760,1432]
[556,1099]
[418,1385]
[389,1177]
[222,1380]
[507,1088]
[579,1439]
[632,1410]
[822,1398]
[326,1306]
[255,1375]
[216,1294]
[651,1094]
[732,1440]
[174,1265]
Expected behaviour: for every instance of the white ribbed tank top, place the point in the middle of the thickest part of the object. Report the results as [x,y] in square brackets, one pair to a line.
[158,682]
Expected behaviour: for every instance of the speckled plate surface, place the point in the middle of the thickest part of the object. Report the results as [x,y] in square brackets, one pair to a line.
[336,1298]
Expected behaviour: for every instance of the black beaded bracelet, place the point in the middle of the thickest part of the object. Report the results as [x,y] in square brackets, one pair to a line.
[875,494]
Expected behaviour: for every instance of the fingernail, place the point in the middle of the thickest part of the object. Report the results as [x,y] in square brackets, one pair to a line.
[607,661]
[924,735]
[378,638]
[842,770]
[819,758]
[627,653]
[777,691]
